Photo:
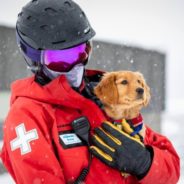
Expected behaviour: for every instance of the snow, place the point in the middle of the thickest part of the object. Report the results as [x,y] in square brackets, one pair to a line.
[6,179]
[152,24]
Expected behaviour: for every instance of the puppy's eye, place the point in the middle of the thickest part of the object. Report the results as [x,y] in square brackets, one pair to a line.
[139,81]
[124,82]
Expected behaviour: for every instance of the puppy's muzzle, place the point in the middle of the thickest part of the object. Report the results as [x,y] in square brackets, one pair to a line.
[140,92]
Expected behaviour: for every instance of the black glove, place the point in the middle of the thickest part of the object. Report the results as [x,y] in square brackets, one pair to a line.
[121,151]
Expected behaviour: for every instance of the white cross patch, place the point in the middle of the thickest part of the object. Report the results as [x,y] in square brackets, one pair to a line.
[23,139]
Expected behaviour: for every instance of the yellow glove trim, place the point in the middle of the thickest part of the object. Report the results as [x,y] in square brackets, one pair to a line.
[101,142]
[127,128]
[117,141]
[100,152]
[123,133]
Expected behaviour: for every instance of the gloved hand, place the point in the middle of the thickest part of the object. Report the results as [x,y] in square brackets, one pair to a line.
[121,151]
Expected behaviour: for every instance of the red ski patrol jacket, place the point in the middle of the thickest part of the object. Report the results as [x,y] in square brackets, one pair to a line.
[39,146]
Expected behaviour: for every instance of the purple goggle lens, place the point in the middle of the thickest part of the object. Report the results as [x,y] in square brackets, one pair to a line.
[65,60]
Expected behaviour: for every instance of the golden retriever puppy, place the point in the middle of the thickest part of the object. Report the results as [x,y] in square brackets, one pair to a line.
[123,94]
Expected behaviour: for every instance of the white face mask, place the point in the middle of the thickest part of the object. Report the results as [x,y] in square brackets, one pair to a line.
[74,76]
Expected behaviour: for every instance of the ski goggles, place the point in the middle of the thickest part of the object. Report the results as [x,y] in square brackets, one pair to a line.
[57,60]
[64,60]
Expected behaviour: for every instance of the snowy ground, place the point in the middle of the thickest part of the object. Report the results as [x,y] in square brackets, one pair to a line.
[6,179]
[172,127]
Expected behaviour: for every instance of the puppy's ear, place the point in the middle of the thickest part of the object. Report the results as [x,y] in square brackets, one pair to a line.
[147,96]
[106,90]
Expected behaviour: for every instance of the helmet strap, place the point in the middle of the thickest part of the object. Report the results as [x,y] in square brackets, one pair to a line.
[41,78]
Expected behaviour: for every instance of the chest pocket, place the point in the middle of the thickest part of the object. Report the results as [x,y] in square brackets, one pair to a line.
[69,139]
[79,136]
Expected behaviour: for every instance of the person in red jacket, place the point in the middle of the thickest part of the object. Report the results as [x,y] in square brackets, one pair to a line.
[54,113]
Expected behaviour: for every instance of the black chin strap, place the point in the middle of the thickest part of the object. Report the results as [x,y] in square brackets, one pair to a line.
[41,78]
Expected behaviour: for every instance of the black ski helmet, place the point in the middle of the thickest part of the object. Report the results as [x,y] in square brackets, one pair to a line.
[53,24]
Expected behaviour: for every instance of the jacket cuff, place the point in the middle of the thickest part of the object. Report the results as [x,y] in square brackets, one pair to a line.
[149,163]
[154,171]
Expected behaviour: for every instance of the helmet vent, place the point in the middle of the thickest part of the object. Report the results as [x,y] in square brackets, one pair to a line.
[84,15]
[87,30]
[35,1]
[20,14]
[67,4]
[44,27]
[58,42]
[29,17]
[22,33]
[50,10]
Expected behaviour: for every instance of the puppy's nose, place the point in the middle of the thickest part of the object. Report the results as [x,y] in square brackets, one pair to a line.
[140,91]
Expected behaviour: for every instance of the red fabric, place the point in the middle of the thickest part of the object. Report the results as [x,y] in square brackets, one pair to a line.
[135,121]
[138,120]
[50,109]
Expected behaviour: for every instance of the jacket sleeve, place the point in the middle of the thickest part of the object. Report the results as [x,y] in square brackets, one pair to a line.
[28,153]
[165,166]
